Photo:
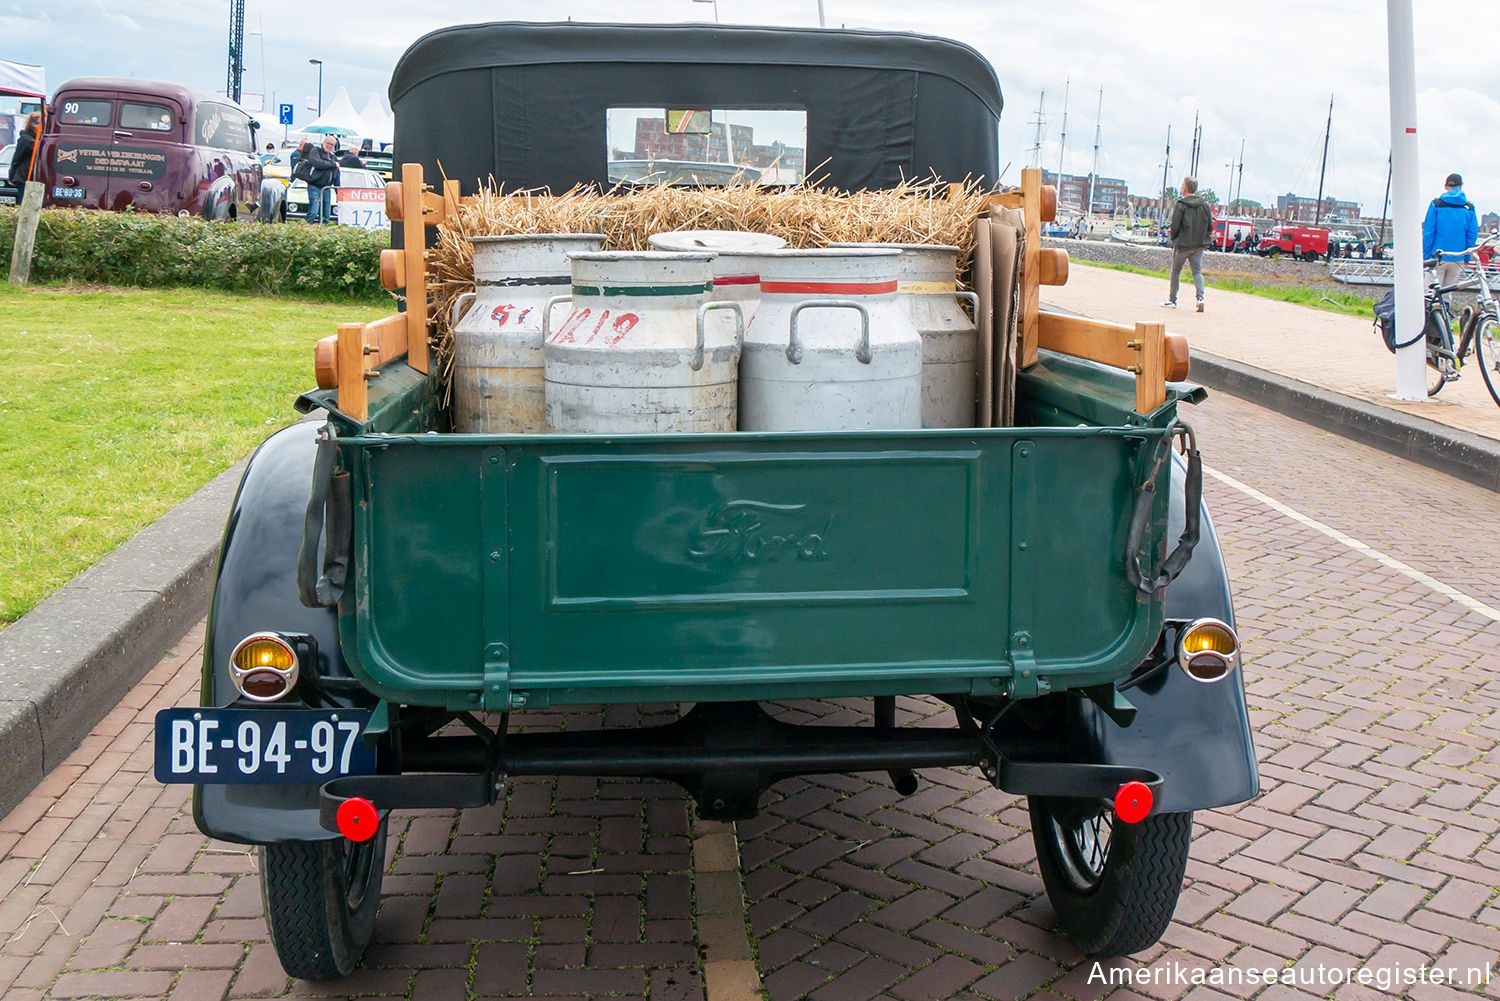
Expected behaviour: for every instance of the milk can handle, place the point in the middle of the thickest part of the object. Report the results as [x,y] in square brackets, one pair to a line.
[861,353]
[458,304]
[547,313]
[972,299]
[739,328]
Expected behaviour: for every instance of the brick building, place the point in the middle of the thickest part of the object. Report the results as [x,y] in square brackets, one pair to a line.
[1110,193]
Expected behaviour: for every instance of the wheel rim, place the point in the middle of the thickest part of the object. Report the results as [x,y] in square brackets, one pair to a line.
[1082,847]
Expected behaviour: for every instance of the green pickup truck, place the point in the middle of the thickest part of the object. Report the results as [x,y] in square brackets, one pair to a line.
[393,598]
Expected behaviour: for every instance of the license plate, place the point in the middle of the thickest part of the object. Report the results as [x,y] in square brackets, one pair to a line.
[261,746]
[58,191]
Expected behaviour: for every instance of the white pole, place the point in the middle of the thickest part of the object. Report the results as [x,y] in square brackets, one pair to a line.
[1406,201]
[822,22]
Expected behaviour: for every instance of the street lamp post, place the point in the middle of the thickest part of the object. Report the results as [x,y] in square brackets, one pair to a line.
[716,8]
[319,64]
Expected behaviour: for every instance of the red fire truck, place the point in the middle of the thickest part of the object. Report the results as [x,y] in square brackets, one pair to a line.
[1227,230]
[1306,243]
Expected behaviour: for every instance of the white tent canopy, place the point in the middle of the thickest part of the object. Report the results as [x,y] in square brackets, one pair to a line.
[23,79]
[339,117]
[379,123]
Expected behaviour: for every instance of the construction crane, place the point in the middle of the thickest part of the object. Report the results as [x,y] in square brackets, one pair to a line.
[236,48]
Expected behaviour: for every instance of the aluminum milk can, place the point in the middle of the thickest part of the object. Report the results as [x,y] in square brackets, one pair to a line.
[830,348]
[737,266]
[643,349]
[497,345]
[927,286]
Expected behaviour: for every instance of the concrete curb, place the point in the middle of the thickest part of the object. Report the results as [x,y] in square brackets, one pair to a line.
[1466,456]
[67,662]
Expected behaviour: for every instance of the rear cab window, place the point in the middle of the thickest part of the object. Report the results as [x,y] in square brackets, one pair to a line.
[86,111]
[137,116]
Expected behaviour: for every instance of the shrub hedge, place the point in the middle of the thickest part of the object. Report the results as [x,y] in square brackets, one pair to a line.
[91,247]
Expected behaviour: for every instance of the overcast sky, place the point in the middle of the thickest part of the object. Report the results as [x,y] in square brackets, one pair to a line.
[1259,73]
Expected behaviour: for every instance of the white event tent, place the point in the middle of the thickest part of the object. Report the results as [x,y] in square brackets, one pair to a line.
[339,118]
[382,128]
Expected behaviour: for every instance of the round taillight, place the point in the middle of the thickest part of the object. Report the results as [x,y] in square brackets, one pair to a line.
[263,667]
[143,185]
[1208,650]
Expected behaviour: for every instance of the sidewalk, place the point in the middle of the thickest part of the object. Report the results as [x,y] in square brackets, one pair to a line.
[1321,367]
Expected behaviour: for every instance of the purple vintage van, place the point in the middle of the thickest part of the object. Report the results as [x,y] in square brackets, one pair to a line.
[119,142]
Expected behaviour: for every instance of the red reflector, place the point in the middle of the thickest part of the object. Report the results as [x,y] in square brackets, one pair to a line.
[358,820]
[1132,802]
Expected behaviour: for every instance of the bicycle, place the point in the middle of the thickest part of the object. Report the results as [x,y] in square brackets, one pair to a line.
[1478,328]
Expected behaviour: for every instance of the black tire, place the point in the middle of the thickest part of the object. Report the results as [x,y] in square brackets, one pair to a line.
[1310,257]
[1114,886]
[1274,253]
[321,898]
[1487,354]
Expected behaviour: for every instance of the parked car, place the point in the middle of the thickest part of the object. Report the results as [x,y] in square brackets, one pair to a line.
[124,143]
[278,166]
[349,177]
[8,195]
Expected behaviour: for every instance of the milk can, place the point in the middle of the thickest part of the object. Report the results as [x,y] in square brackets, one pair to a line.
[737,266]
[643,349]
[830,348]
[926,284]
[497,345]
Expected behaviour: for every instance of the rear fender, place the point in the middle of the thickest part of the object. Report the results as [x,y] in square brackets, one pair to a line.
[255,588]
[1195,735]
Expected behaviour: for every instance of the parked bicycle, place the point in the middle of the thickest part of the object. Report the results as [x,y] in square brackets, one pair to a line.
[1478,329]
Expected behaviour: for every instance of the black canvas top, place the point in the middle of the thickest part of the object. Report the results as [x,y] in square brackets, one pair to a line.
[525,103]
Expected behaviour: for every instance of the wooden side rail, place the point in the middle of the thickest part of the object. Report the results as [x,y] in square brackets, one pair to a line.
[1147,350]
[346,361]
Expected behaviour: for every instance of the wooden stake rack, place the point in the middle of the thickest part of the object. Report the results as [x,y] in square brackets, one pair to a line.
[346,361]
[1146,350]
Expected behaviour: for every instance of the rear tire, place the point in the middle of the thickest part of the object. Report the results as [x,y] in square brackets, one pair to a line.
[1114,886]
[321,898]
[1487,353]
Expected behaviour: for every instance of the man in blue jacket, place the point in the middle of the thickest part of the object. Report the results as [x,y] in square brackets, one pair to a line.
[1451,225]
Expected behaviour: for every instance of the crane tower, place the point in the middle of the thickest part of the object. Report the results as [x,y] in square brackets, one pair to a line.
[236,48]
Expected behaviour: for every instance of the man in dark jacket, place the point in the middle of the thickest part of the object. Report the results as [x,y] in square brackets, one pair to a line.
[320,169]
[20,163]
[1451,225]
[1191,229]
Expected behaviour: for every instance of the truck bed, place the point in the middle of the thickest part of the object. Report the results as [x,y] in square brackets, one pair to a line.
[524,571]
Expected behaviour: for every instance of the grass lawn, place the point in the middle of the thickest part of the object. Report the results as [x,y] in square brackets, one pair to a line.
[116,404]
[1286,291]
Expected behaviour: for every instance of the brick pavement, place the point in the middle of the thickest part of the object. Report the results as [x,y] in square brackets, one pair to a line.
[1375,842]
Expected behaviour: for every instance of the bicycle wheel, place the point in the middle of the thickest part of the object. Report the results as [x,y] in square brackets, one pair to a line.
[1487,353]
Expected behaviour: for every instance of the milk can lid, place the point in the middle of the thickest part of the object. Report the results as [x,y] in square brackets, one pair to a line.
[733,241]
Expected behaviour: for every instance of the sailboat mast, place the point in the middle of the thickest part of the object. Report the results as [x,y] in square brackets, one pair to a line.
[1193,155]
[1094,170]
[1318,212]
[1239,192]
[1036,143]
[1166,165]
[1062,145]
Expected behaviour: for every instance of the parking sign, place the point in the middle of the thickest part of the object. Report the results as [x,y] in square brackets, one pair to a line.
[286,114]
